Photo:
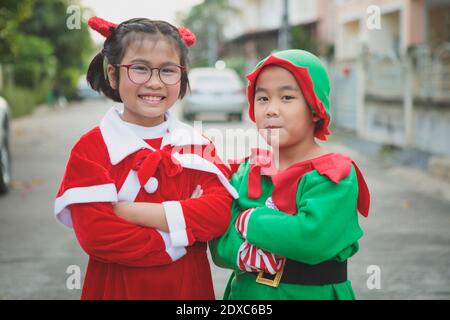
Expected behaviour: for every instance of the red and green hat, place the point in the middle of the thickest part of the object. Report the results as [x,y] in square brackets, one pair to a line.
[311,77]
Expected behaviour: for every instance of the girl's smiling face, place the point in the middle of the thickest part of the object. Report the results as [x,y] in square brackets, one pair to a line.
[281,112]
[145,104]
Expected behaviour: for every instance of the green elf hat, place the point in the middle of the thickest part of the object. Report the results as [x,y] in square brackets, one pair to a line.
[311,77]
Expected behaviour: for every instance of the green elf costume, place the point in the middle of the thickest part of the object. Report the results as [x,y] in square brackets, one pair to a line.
[292,231]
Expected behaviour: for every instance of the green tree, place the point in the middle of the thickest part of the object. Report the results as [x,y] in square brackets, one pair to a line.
[37,63]
[12,13]
[71,47]
[302,38]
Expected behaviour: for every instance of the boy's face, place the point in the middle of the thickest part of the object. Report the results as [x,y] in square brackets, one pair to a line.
[145,104]
[282,116]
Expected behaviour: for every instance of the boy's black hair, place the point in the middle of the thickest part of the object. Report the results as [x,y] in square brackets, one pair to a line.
[116,44]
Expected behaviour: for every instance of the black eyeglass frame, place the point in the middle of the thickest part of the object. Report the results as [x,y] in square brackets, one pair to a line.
[128,66]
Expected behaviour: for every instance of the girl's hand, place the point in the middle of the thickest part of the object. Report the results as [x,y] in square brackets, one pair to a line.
[197,192]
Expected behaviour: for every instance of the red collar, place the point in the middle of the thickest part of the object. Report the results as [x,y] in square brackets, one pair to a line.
[332,165]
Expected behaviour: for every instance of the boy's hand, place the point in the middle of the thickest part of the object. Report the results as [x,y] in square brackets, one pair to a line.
[254,259]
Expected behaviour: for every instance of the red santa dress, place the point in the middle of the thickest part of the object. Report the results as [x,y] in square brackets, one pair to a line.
[119,161]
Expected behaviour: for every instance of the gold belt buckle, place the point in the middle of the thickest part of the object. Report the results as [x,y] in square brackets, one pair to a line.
[270,282]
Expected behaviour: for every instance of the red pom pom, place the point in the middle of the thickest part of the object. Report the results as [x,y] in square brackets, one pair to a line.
[187,35]
[105,28]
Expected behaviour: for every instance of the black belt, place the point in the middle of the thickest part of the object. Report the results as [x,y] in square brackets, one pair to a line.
[294,272]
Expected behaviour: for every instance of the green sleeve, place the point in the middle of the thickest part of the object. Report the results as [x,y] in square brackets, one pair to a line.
[224,250]
[324,227]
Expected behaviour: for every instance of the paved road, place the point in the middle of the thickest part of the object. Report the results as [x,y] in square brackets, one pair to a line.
[406,238]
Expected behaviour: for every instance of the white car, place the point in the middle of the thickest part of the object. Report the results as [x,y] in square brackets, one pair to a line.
[5,155]
[214,91]
[84,91]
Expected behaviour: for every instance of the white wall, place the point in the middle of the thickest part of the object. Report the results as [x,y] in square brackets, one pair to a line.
[263,15]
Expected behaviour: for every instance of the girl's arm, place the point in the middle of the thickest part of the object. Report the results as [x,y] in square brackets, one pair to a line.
[147,214]
[103,235]
[109,238]
[195,219]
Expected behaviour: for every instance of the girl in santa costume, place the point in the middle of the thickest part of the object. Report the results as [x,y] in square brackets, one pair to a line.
[295,222]
[143,191]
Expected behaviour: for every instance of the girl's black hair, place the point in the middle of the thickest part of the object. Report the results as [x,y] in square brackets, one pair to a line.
[115,46]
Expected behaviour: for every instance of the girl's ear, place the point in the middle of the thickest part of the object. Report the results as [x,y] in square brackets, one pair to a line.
[111,76]
[316,118]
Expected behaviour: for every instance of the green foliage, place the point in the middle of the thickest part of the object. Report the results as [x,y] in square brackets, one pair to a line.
[303,39]
[22,101]
[44,52]
[69,81]
[12,13]
[71,47]
[36,62]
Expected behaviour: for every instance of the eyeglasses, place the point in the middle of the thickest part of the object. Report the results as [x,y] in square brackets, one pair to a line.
[141,73]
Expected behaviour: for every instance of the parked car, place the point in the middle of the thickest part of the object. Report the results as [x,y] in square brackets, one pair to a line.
[84,91]
[5,155]
[214,91]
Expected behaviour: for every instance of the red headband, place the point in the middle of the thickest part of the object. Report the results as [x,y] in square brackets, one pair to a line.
[105,28]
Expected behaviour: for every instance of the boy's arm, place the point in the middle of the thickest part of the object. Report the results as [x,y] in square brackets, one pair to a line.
[224,250]
[326,222]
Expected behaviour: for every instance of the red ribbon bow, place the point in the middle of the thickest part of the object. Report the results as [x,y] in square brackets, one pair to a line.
[147,162]
[105,28]
[187,35]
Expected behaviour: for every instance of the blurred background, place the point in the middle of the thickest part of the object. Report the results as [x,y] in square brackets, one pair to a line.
[389,65]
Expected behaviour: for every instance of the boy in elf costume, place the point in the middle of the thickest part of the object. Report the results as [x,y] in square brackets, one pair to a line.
[295,222]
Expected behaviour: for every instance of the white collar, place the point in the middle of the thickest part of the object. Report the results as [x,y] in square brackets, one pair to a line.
[121,140]
[142,132]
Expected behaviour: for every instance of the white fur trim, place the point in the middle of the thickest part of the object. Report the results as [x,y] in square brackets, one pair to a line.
[142,132]
[152,185]
[194,161]
[174,252]
[176,223]
[130,188]
[99,193]
[121,140]
[182,134]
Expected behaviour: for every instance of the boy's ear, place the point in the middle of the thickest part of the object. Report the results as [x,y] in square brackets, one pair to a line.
[111,76]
